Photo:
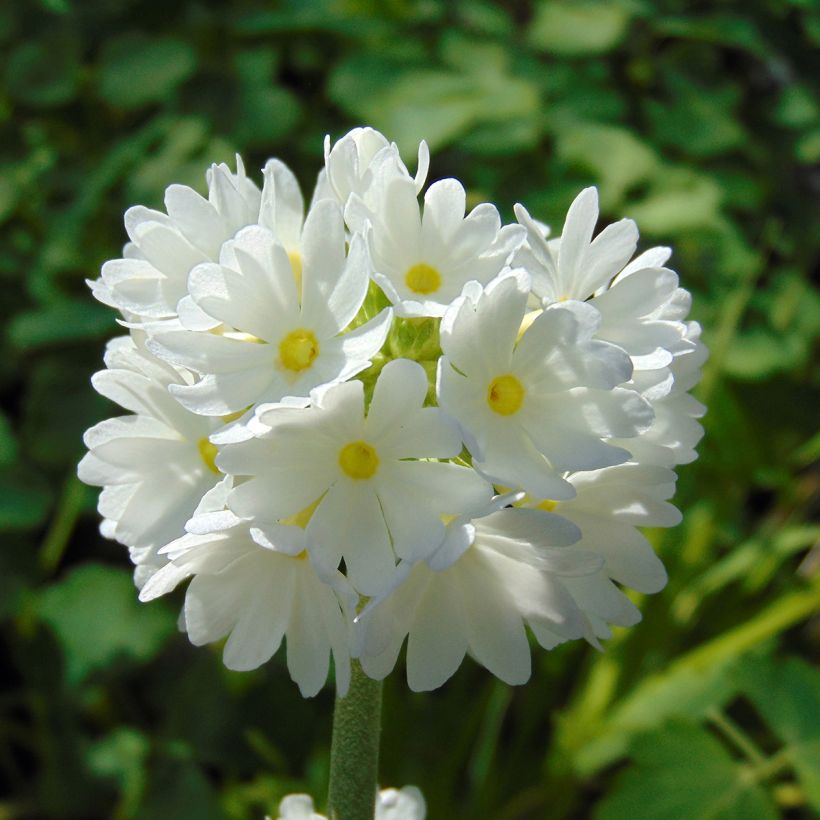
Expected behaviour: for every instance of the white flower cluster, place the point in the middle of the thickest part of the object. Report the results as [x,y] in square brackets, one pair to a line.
[386,419]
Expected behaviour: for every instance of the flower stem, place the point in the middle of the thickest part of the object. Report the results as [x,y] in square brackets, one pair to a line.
[354,750]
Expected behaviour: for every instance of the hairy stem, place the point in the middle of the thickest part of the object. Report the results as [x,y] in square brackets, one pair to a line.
[354,750]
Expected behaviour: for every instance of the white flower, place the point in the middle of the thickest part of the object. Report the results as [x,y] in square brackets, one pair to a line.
[287,323]
[363,161]
[376,498]
[151,277]
[422,261]
[608,508]
[675,431]
[489,578]
[257,595]
[391,804]
[534,408]
[154,466]
[575,266]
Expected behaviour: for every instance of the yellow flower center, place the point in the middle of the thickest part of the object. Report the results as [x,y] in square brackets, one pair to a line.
[358,460]
[298,350]
[423,278]
[505,395]
[548,505]
[295,259]
[208,453]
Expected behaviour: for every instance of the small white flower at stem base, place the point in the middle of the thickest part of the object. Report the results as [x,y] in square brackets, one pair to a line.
[378,498]
[391,804]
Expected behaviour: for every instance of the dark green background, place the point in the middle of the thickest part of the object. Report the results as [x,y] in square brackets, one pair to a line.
[700,120]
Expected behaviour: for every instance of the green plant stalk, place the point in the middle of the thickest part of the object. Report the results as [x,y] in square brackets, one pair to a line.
[354,750]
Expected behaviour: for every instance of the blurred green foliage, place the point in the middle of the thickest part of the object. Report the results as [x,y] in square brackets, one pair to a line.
[698,119]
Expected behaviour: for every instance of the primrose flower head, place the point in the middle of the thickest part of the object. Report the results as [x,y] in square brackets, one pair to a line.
[385,418]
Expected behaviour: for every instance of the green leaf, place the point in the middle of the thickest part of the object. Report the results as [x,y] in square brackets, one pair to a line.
[697,681]
[122,756]
[734,30]
[265,114]
[435,104]
[65,321]
[8,441]
[25,499]
[678,202]
[97,619]
[577,27]
[136,70]
[697,121]
[787,696]
[179,789]
[615,156]
[681,772]
[44,73]
[760,352]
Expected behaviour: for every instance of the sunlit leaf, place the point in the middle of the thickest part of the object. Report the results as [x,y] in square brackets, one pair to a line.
[681,772]
[787,695]
[96,617]
[578,27]
[136,70]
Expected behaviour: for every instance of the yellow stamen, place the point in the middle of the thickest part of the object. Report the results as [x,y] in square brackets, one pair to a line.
[208,453]
[241,336]
[548,505]
[298,350]
[528,319]
[358,460]
[302,518]
[233,416]
[302,556]
[295,259]
[422,278]
[505,395]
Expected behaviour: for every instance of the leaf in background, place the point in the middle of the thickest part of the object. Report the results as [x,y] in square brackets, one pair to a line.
[46,72]
[680,201]
[8,442]
[734,30]
[25,499]
[66,321]
[97,619]
[681,692]
[681,772]
[122,756]
[614,156]
[760,352]
[435,104]
[578,27]
[787,696]
[696,121]
[697,681]
[136,70]
[179,789]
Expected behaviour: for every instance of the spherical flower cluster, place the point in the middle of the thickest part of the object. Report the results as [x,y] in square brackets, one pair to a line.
[385,419]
